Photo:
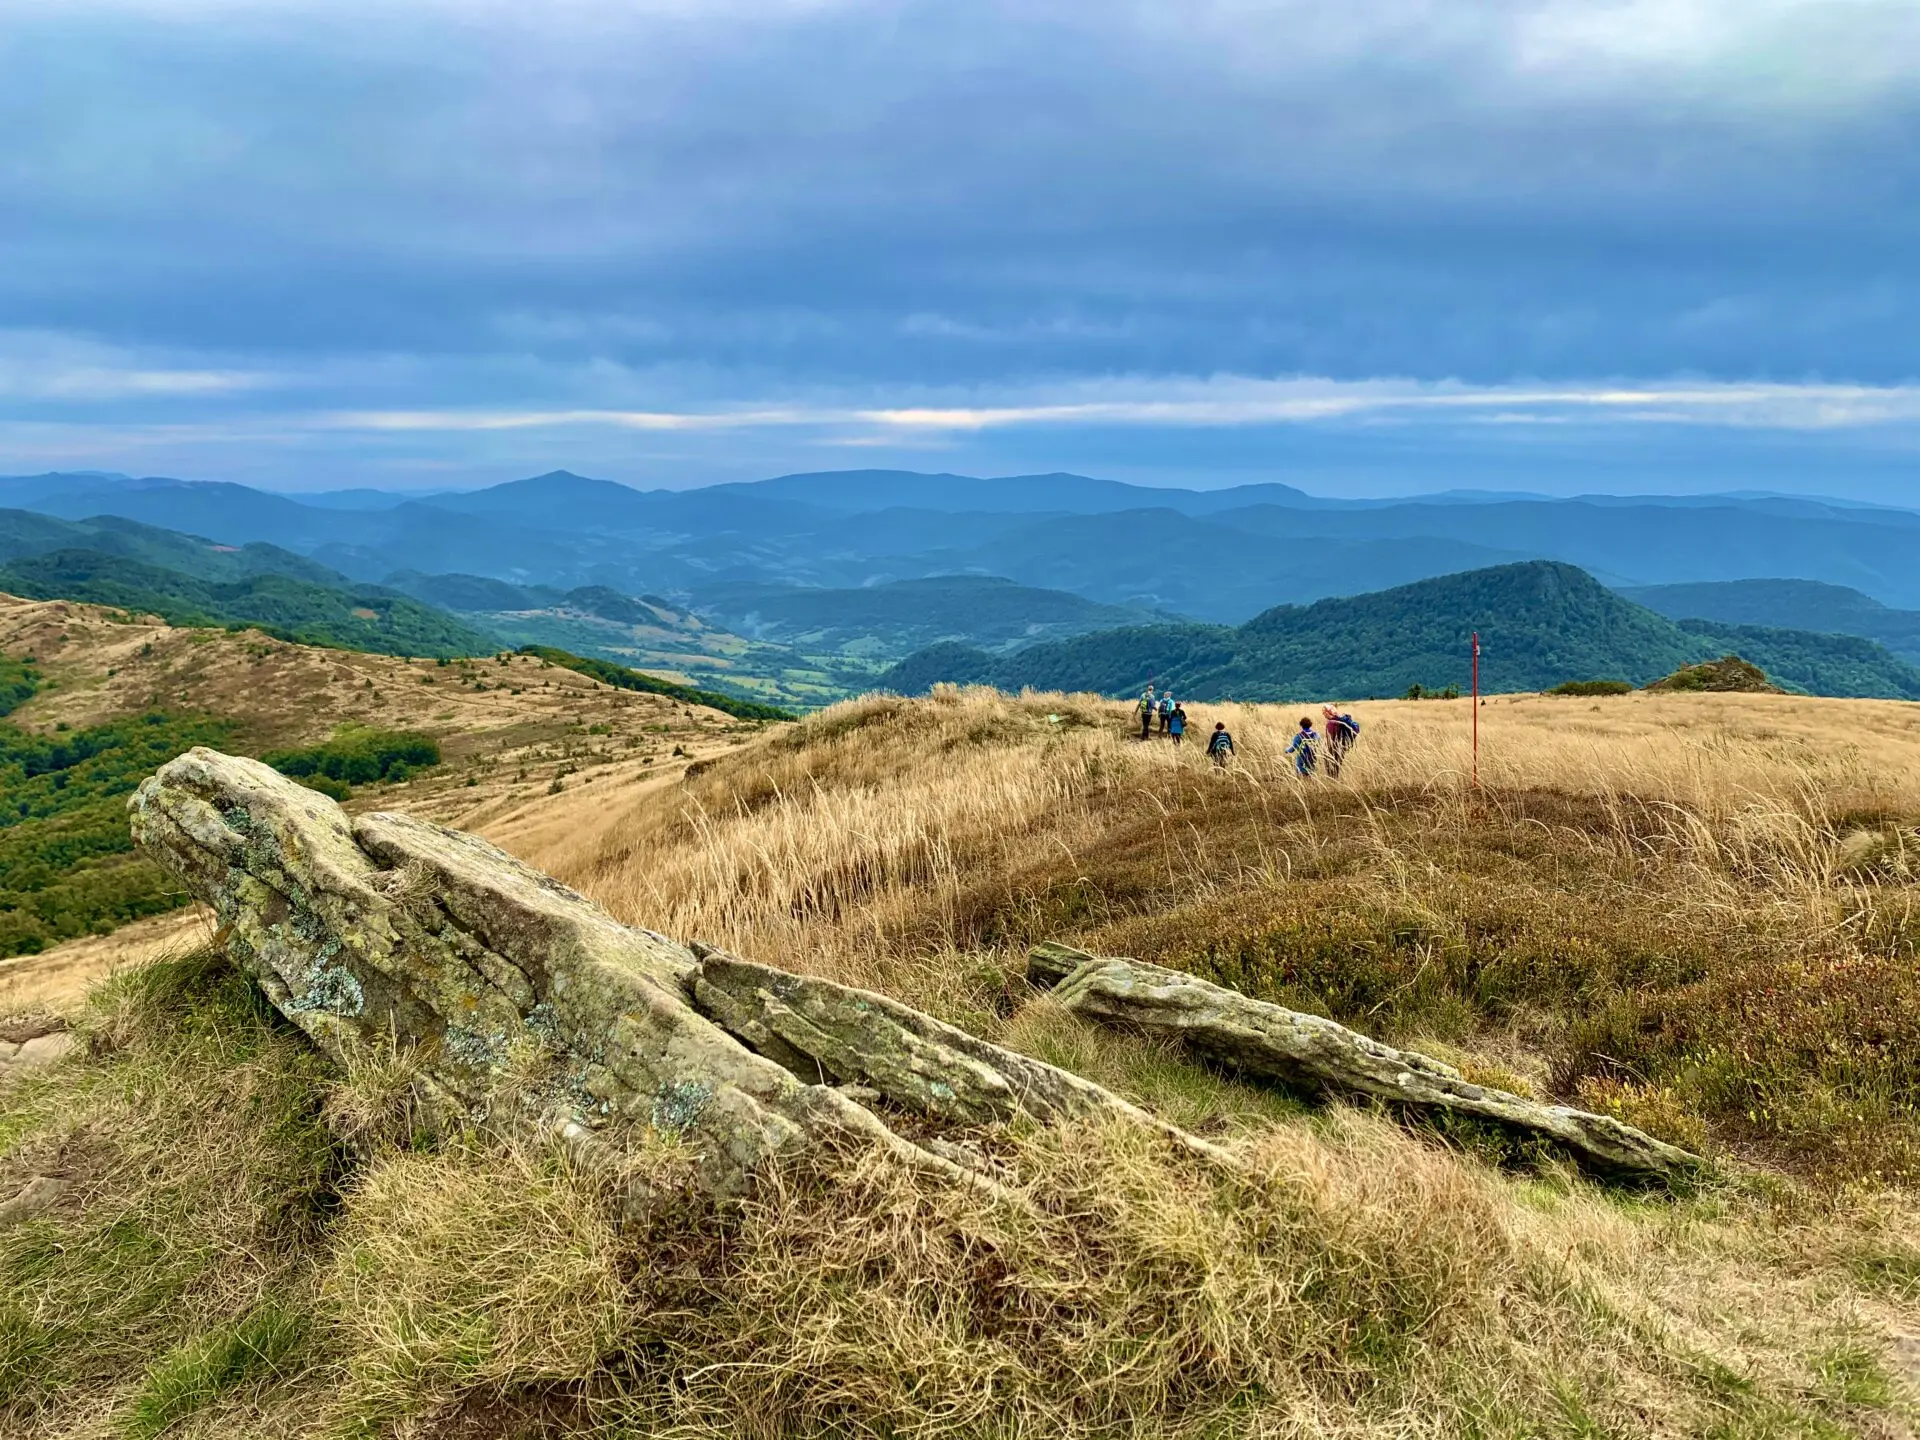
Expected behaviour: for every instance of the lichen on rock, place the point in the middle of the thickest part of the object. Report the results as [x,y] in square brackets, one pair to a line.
[381,930]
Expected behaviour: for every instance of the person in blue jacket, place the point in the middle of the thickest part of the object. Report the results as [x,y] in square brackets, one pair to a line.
[1305,748]
[1220,744]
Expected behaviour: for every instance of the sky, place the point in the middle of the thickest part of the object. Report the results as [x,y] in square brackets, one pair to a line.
[1362,246]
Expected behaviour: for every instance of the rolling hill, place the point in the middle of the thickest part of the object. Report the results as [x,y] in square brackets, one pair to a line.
[1540,622]
[24,533]
[107,696]
[1798,604]
[351,617]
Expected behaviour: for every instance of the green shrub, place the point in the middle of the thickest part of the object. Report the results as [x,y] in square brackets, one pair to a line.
[18,681]
[1583,688]
[328,786]
[359,756]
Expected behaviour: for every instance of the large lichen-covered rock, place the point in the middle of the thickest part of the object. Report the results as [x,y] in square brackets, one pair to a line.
[1309,1052]
[523,1003]
[382,930]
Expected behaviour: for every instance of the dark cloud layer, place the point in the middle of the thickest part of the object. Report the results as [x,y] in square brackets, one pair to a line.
[849,206]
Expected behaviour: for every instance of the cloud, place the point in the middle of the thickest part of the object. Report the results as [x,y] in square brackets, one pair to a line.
[37,367]
[1233,401]
[941,218]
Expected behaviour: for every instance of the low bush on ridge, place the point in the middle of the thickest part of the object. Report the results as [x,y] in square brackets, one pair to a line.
[1586,688]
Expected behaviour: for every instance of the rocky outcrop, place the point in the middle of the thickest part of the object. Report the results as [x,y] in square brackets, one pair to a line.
[524,1004]
[1307,1052]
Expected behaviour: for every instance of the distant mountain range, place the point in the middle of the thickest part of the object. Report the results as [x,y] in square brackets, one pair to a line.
[1222,555]
[805,587]
[1540,623]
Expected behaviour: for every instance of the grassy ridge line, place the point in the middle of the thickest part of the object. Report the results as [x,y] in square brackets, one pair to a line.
[255,1244]
[298,611]
[623,678]
[1637,910]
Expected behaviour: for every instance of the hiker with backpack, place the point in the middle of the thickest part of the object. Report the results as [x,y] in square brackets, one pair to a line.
[1177,723]
[1146,713]
[1305,748]
[1166,712]
[1342,731]
[1220,745]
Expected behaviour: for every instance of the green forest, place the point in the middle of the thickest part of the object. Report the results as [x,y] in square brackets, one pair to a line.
[18,681]
[67,865]
[357,756]
[1540,623]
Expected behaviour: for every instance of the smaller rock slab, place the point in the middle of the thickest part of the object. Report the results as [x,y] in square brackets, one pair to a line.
[1311,1053]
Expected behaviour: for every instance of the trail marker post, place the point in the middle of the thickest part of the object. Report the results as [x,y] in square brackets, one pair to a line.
[1476,709]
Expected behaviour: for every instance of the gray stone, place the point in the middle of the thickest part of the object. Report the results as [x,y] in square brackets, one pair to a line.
[377,930]
[835,1034]
[1307,1052]
[39,1193]
[38,1050]
[381,931]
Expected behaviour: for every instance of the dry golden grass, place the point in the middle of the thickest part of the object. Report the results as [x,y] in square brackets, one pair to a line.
[881,819]
[1687,907]
[214,1271]
[1696,910]
[59,978]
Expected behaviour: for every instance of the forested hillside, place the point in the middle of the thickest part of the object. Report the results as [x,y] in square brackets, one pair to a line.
[1800,604]
[24,533]
[349,616]
[66,866]
[1540,623]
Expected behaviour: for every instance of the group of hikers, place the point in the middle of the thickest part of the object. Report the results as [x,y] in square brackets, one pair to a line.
[1305,749]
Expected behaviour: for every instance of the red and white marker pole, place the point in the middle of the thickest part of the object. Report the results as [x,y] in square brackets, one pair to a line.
[1476,709]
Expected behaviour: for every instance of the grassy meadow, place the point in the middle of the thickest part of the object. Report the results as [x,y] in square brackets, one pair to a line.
[1695,911]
